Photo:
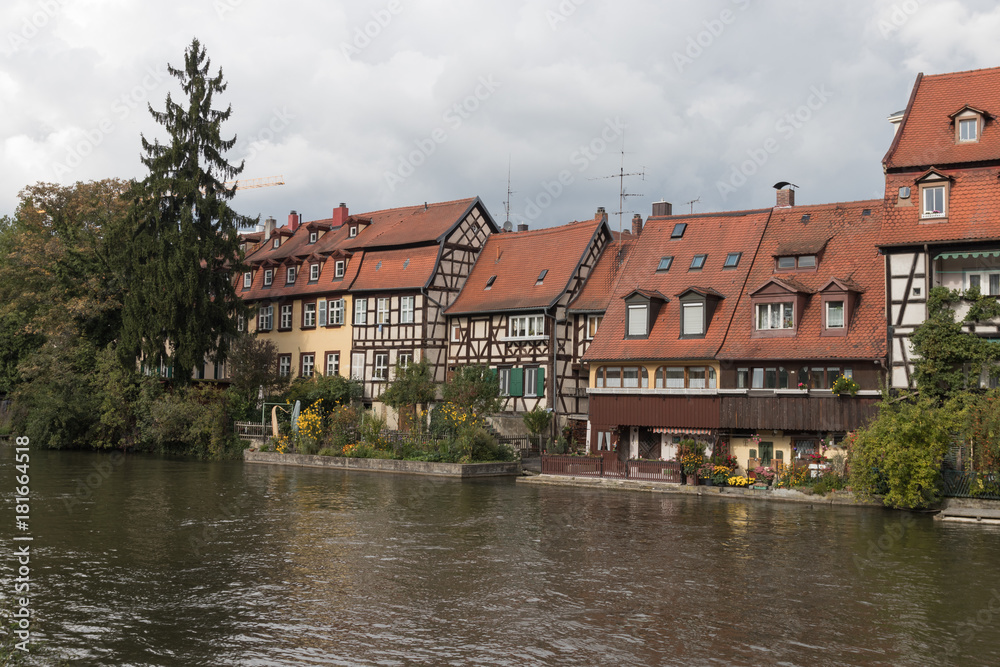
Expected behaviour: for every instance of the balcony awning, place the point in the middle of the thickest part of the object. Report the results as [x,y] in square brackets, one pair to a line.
[683,431]
[966,255]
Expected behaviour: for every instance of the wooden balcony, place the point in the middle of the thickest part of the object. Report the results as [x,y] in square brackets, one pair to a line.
[797,412]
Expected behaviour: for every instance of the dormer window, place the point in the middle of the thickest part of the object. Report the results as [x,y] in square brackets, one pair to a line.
[338,269]
[276,242]
[775,316]
[933,197]
[313,272]
[839,301]
[834,314]
[664,264]
[353,231]
[693,319]
[697,307]
[247,280]
[313,237]
[638,319]
[268,277]
[803,262]
[290,275]
[968,129]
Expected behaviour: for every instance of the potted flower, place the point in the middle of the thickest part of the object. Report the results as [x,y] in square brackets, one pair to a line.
[802,386]
[705,472]
[690,462]
[844,385]
[721,475]
[738,481]
[763,475]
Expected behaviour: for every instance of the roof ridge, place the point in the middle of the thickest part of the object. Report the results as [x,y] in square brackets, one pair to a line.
[962,73]
[417,206]
[717,214]
[858,202]
[542,230]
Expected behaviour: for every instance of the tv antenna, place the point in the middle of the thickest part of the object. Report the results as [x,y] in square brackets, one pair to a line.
[508,225]
[692,203]
[621,186]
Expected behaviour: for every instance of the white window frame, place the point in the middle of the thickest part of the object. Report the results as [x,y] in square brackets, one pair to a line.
[352,231]
[504,376]
[339,268]
[404,359]
[381,370]
[285,365]
[286,317]
[241,323]
[593,324]
[337,311]
[360,311]
[968,122]
[358,366]
[290,275]
[531,382]
[313,272]
[309,315]
[308,364]
[984,281]
[933,213]
[668,382]
[768,308]
[830,308]
[687,309]
[247,279]
[321,312]
[268,277]
[637,314]
[276,242]
[332,363]
[526,327]
[406,304]
[313,237]
[382,311]
[265,318]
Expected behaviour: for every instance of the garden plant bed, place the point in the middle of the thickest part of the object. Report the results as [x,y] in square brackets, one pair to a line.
[462,470]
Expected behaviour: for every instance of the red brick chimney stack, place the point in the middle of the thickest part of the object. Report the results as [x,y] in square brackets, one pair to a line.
[636,224]
[340,215]
[786,198]
[293,221]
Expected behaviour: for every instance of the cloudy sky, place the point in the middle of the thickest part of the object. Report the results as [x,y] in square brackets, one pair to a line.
[387,103]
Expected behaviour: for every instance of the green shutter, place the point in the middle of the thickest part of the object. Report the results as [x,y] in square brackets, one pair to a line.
[540,382]
[517,382]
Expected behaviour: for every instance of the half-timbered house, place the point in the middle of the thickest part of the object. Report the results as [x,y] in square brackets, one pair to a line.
[942,196]
[297,279]
[512,315]
[411,263]
[654,377]
[813,310]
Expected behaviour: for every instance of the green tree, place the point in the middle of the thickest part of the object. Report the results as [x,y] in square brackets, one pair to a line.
[898,456]
[537,422]
[253,363]
[475,389]
[179,246]
[412,387]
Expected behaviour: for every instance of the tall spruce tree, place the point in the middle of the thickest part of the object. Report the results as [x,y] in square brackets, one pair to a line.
[179,246]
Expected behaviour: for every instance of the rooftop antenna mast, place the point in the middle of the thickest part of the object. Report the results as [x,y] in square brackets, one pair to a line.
[621,186]
[693,202]
[508,225]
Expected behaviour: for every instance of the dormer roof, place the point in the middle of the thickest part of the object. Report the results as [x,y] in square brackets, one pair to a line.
[706,292]
[787,284]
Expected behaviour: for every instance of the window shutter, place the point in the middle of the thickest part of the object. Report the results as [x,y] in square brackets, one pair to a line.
[693,319]
[321,306]
[540,382]
[637,320]
[517,382]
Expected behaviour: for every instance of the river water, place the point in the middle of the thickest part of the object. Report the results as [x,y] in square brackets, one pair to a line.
[148,561]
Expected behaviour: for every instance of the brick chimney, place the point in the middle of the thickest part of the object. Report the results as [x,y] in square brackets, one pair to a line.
[293,221]
[636,224]
[662,209]
[269,227]
[786,198]
[601,215]
[340,214]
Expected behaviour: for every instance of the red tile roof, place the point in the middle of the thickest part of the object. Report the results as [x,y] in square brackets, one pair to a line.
[603,279]
[409,225]
[973,202]
[850,256]
[397,269]
[517,259]
[713,234]
[926,135]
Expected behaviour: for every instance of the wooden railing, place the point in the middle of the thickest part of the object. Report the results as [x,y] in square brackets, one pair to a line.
[595,466]
[253,431]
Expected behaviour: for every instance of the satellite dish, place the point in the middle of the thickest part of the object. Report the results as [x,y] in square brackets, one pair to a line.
[508,226]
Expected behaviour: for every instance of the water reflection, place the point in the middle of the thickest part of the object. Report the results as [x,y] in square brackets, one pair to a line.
[175,562]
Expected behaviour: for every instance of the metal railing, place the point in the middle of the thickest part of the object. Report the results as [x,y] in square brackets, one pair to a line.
[595,466]
[253,430]
[959,484]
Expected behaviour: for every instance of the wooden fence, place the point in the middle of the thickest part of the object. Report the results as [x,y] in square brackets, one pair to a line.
[595,466]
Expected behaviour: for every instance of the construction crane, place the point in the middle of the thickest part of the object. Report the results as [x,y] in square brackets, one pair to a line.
[248,183]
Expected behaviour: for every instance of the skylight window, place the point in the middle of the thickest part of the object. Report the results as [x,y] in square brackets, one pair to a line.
[541,276]
[665,263]
[867,212]
[698,261]
[678,230]
[732,260]
[489,283]
[806,217]
[379,265]
[406,263]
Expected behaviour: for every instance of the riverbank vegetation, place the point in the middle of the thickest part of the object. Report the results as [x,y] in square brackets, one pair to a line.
[332,422]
